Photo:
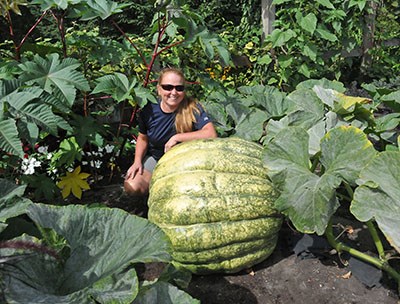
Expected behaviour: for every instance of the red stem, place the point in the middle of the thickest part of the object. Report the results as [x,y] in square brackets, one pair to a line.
[31,30]
[130,41]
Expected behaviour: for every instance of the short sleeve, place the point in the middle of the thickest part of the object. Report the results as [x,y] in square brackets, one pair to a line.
[202,118]
[141,119]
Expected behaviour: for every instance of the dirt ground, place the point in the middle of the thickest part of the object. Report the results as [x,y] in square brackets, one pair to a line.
[302,269]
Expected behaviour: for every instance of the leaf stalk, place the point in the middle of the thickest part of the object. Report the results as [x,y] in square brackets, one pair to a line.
[380,263]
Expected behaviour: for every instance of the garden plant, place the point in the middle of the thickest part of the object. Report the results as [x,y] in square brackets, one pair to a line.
[319,94]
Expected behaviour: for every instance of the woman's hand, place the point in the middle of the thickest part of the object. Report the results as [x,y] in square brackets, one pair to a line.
[137,167]
[170,143]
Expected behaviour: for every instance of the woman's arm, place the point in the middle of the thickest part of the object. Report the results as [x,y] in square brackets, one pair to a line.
[208,131]
[142,143]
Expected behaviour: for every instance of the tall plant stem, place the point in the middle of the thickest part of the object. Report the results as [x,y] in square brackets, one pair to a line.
[371,228]
[130,41]
[18,46]
[376,239]
[379,263]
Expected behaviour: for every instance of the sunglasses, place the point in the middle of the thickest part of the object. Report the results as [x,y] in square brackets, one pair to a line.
[170,87]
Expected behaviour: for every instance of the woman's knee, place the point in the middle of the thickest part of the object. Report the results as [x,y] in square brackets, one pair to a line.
[137,186]
[132,188]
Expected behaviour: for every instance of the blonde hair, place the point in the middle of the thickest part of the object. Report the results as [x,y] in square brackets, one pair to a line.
[185,116]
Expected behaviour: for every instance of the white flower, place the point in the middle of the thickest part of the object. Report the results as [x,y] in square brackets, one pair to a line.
[29,164]
[96,164]
[43,149]
[109,148]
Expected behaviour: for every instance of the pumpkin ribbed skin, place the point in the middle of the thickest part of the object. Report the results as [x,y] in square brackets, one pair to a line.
[213,199]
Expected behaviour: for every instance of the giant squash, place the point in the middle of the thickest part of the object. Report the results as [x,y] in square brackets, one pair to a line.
[213,199]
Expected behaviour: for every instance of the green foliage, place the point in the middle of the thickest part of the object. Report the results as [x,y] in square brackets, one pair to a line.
[55,268]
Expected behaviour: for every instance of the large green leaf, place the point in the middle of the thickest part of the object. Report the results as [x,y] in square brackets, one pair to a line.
[24,105]
[279,37]
[378,196]
[55,76]
[345,151]
[210,43]
[162,292]
[309,23]
[101,8]
[9,140]
[267,98]
[323,83]
[55,4]
[309,200]
[252,126]
[102,242]
[305,110]
[12,202]
[8,86]
[118,86]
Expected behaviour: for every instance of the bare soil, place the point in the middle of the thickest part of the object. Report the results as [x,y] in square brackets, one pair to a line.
[302,269]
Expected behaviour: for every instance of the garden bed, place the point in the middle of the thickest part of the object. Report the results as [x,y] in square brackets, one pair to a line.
[302,268]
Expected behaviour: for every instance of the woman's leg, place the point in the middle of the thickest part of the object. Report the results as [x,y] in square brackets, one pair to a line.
[139,185]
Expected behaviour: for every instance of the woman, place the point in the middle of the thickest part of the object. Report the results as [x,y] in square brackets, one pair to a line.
[175,118]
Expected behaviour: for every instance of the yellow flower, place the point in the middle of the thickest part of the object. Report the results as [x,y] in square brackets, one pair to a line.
[75,182]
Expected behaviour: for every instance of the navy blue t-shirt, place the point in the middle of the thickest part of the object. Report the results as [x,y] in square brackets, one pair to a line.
[160,126]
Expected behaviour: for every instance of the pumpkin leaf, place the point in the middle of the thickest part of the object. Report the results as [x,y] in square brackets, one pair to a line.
[168,293]
[378,195]
[347,104]
[74,182]
[98,268]
[251,127]
[306,108]
[267,98]
[345,151]
[309,200]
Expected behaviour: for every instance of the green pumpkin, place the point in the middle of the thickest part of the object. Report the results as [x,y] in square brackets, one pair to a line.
[214,201]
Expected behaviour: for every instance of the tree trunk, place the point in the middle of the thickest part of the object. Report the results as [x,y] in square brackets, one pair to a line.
[368,36]
[268,17]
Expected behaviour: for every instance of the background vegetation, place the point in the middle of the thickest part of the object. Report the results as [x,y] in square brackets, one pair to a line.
[74,74]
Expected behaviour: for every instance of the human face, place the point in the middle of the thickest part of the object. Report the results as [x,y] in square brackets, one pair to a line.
[170,100]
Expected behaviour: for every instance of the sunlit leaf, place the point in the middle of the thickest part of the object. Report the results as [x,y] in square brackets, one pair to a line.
[117,85]
[279,37]
[55,76]
[9,140]
[103,243]
[307,198]
[327,35]
[378,196]
[74,182]
[251,127]
[12,202]
[326,3]
[11,5]
[348,102]
[309,23]
[305,108]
